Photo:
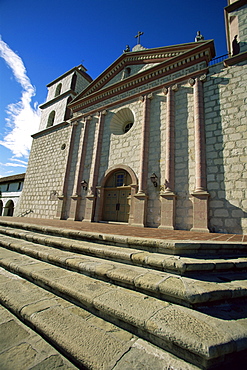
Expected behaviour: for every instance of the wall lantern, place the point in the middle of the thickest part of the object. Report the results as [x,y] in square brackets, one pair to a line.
[154,180]
[84,184]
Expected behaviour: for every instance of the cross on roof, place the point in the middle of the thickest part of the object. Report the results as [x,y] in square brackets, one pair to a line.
[138,36]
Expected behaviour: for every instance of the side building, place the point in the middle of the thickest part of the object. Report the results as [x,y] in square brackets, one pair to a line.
[10,191]
[158,140]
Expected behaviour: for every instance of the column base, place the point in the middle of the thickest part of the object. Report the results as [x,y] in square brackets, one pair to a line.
[200,211]
[168,202]
[140,206]
[89,208]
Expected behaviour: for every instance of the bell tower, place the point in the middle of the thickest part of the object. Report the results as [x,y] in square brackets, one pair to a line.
[61,91]
[235,21]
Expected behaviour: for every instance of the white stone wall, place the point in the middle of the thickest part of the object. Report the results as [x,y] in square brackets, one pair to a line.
[225,94]
[45,173]
[59,107]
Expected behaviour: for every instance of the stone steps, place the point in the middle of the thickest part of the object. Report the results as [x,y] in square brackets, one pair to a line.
[186,291]
[88,341]
[118,307]
[154,259]
[186,333]
[170,247]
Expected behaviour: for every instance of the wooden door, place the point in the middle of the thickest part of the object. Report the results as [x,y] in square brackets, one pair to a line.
[117,204]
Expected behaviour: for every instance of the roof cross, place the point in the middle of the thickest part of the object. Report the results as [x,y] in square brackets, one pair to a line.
[138,36]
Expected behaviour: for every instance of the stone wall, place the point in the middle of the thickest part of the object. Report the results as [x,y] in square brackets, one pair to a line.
[226,138]
[45,173]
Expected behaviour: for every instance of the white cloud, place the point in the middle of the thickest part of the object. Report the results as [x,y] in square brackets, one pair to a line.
[10,164]
[23,119]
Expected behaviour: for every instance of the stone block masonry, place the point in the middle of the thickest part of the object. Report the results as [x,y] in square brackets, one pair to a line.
[45,173]
[225,94]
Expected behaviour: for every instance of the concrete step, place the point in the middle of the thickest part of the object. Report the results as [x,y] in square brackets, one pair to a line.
[110,302]
[23,348]
[86,340]
[96,324]
[150,259]
[187,291]
[171,247]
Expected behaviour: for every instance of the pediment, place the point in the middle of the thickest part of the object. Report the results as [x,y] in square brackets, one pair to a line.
[135,63]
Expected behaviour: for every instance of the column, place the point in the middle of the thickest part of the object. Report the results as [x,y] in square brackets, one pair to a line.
[92,195]
[200,194]
[140,199]
[76,196]
[168,197]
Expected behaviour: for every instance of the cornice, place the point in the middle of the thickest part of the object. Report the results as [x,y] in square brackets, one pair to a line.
[137,95]
[235,59]
[191,57]
[236,5]
[57,98]
[78,69]
[140,57]
[50,129]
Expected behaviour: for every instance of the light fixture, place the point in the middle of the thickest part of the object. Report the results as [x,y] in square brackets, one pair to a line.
[154,180]
[84,184]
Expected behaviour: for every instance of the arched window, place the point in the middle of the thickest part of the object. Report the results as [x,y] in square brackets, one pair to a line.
[73,82]
[51,119]
[1,207]
[58,90]
[9,208]
[68,110]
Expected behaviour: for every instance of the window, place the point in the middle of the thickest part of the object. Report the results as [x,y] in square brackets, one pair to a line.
[120,179]
[73,82]
[58,90]
[122,121]
[51,119]
[68,112]
[127,127]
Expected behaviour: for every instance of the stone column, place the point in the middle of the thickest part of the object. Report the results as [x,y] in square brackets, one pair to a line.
[62,198]
[200,194]
[76,196]
[168,197]
[140,199]
[92,195]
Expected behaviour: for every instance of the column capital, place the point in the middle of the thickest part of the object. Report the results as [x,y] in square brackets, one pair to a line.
[203,78]
[175,87]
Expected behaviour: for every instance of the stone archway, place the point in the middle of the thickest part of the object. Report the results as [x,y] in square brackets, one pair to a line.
[118,187]
[9,208]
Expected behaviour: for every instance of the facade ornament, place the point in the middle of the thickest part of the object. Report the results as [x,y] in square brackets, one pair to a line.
[203,78]
[150,96]
[191,81]
[175,87]
[165,90]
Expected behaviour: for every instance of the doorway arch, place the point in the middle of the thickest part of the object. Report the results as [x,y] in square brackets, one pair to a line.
[118,188]
[9,208]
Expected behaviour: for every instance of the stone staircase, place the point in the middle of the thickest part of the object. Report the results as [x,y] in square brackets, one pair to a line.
[115,302]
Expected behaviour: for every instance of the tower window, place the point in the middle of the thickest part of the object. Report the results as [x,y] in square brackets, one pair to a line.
[58,89]
[51,119]
[73,82]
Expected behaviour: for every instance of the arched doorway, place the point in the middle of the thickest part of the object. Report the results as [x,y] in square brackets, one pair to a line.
[117,196]
[1,207]
[9,208]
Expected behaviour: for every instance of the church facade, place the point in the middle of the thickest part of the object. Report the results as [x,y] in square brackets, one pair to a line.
[158,140]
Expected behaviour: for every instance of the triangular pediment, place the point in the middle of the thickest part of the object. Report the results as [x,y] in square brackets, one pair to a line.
[135,63]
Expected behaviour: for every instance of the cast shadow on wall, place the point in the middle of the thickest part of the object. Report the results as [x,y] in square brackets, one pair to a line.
[223,166]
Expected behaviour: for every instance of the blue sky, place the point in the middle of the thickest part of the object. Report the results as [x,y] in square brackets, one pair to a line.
[41,40]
